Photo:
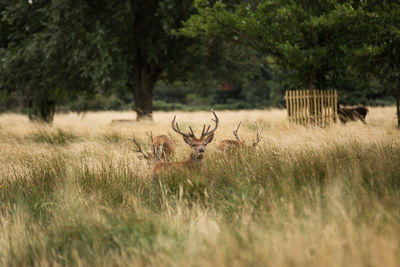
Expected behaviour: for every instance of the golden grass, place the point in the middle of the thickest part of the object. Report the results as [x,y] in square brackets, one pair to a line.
[76,193]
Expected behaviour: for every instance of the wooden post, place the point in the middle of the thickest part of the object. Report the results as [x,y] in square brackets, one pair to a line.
[335,106]
[398,106]
[287,104]
[303,115]
[328,100]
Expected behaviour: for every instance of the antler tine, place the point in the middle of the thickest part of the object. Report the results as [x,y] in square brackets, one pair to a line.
[140,150]
[216,125]
[153,148]
[235,132]
[176,129]
[191,131]
[258,136]
[204,129]
[151,136]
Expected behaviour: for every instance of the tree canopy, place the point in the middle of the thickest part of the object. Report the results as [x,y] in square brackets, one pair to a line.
[59,46]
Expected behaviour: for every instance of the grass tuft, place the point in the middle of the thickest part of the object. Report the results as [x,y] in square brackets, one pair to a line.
[59,137]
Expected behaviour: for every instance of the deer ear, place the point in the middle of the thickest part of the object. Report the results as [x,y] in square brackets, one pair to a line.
[187,140]
[209,139]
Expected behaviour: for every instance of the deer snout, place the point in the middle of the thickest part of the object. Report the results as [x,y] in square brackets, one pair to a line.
[201,150]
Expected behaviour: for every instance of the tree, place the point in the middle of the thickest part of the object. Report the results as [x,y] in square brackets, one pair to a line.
[384,65]
[319,42]
[32,62]
[98,45]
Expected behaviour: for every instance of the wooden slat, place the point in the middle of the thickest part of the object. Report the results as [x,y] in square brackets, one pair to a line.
[298,115]
[319,107]
[296,95]
[308,106]
[328,101]
[291,105]
[334,105]
[314,99]
[294,106]
[324,107]
[330,106]
[321,95]
[287,103]
[303,107]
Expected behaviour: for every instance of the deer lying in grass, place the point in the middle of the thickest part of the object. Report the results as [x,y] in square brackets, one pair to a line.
[198,146]
[161,148]
[229,144]
[352,114]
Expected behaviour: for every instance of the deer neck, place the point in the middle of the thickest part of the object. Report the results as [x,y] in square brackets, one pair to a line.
[194,160]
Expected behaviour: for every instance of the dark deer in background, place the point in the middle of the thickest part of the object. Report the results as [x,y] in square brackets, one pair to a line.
[161,147]
[352,114]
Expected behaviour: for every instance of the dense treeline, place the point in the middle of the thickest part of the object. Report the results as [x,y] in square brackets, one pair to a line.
[145,55]
[258,93]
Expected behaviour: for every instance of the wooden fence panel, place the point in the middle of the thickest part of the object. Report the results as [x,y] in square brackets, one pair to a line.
[312,107]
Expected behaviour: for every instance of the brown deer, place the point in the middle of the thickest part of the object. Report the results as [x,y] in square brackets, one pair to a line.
[352,114]
[161,147]
[229,144]
[198,146]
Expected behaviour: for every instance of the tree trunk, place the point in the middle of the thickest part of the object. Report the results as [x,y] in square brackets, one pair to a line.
[143,102]
[144,81]
[41,109]
[398,106]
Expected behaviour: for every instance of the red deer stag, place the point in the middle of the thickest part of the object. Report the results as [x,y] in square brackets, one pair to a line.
[352,114]
[198,146]
[161,147]
[229,144]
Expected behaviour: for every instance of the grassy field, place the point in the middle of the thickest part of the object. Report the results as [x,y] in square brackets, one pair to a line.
[76,193]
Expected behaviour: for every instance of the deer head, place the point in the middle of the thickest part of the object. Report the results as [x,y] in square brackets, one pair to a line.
[161,147]
[198,145]
[258,136]
[225,145]
[255,142]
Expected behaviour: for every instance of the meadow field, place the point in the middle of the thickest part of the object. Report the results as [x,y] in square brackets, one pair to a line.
[77,194]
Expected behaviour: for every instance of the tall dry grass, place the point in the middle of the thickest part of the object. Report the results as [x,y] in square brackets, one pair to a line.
[76,193]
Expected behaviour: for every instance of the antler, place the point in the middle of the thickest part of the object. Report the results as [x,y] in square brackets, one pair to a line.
[175,127]
[153,148]
[207,132]
[258,136]
[150,135]
[140,150]
[235,132]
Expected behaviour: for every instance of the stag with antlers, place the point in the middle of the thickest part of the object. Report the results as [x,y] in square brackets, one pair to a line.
[229,144]
[197,145]
[161,148]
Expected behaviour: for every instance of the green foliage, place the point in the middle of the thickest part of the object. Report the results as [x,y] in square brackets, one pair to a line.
[319,42]
[92,47]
